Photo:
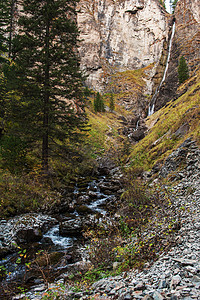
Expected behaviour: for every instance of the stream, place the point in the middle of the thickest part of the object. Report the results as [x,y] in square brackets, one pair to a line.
[61,241]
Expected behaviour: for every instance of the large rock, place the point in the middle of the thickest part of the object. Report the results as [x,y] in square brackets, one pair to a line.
[23,229]
[137,135]
[29,235]
[71,227]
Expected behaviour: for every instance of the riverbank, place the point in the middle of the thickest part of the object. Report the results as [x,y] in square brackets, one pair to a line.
[37,248]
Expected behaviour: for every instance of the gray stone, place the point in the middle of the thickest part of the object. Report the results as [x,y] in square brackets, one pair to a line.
[116,265]
[71,227]
[157,296]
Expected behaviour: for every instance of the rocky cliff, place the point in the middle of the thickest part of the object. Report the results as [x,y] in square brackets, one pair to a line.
[120,35]
[186,42]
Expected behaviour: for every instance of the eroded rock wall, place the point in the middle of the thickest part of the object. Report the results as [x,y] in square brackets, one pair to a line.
[120,35]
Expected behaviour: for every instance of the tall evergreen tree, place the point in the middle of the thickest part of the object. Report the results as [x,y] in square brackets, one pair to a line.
[99,103]
[7,11]
[46,76]
[112,103]
[183,72]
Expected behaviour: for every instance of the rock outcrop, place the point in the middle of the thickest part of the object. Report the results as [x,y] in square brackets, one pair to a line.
[120,35]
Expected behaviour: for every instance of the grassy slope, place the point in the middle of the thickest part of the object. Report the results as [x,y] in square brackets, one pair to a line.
[162,137]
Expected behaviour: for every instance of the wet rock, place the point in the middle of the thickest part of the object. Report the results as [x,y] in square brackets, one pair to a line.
[137,135]
[24,236]
[92,195]
[47,241]
[24,229]
[71,227]
[84,210]
[83,199]
[4,251]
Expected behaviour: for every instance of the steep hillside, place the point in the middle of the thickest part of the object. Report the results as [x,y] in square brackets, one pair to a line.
[170,126]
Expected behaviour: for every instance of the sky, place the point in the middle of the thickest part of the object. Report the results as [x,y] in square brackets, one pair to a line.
[167,5]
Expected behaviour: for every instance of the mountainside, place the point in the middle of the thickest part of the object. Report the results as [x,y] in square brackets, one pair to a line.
[133,34]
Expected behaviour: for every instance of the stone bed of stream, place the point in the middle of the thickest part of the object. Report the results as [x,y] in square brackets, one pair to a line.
[57,238]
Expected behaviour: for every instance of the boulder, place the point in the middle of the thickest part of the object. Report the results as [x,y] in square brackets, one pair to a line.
[22,229]
[92,194]
[137,135]
[83,199]
[71,227]
[84,210]
[29,235]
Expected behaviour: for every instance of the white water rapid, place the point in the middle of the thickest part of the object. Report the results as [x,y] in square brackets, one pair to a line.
[152,103]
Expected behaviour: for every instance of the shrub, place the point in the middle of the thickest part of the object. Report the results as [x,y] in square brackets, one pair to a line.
[99,103]
[13,153]
[112,103]
[183,73]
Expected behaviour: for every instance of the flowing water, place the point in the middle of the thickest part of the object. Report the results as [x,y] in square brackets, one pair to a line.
[52,240]
[152,103]
[57,239]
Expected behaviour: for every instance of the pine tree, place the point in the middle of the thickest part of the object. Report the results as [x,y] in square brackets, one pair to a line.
[99,103]
[183,72]
[7,10]
[46,77]
[112,103]
[95,104]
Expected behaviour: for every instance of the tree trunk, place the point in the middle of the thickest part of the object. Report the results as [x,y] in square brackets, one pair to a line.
[45,144]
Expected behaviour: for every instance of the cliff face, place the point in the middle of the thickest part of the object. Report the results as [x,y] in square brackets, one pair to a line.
[188,31]
[186,42]
[120,35]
